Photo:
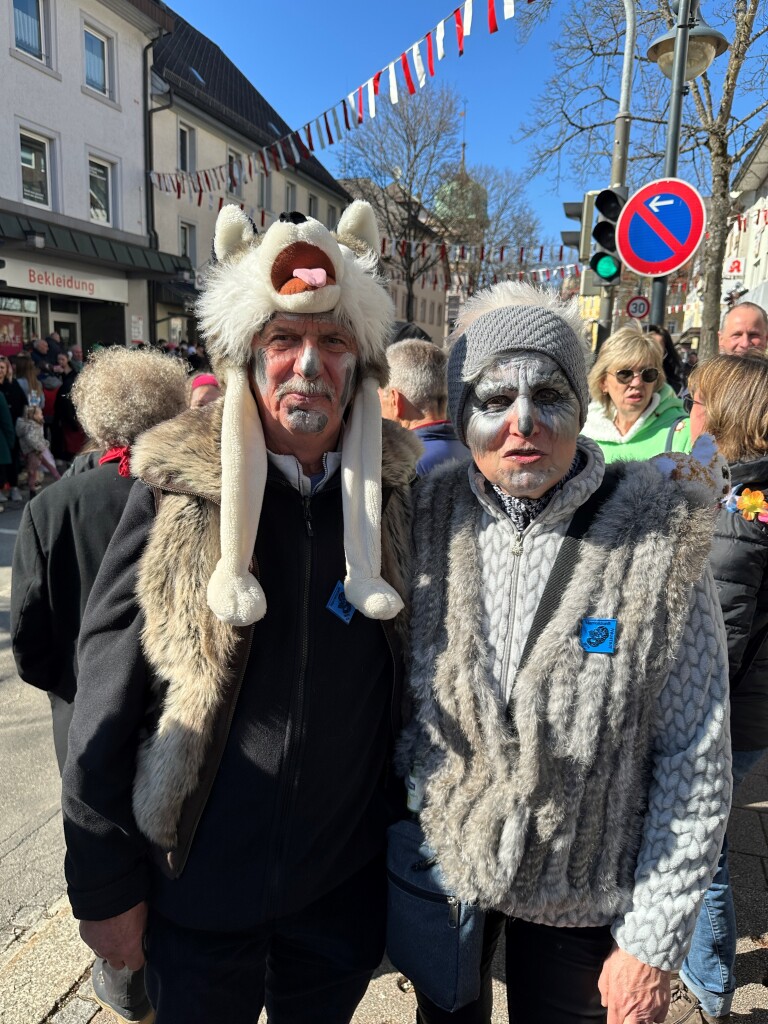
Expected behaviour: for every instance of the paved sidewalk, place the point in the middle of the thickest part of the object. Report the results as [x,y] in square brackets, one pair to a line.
[45,978]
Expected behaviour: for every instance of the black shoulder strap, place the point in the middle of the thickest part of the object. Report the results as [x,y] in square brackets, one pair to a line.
[565,563]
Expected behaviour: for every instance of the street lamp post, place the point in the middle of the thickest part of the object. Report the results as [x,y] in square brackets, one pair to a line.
[682,54]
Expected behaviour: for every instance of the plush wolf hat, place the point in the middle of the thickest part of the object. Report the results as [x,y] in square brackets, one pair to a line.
[297,266]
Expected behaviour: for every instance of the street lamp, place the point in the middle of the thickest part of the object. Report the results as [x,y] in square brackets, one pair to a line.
[683,53]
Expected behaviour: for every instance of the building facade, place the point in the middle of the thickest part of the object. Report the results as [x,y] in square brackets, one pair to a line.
[206,117]
[73,204]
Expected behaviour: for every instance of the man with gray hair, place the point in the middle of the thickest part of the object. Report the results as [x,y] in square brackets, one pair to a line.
[570,682]
[744,331]
[417,398]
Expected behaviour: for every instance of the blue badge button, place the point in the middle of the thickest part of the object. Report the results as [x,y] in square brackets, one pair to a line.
[598,636]
[339,604]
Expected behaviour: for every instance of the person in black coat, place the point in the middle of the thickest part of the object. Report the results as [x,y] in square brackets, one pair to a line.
[14,395]
[62,539]
[729,399]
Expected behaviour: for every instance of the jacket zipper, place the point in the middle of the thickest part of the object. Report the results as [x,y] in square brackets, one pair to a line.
[230,715]
[293,746]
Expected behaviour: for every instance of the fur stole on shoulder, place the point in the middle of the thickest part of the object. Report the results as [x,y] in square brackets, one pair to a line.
[191,653]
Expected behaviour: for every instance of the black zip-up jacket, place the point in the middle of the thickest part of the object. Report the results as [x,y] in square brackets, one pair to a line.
[298,800]
[740,566]
[61,542]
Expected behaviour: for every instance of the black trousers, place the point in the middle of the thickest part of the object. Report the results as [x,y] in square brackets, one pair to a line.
[312,966]
[552,976]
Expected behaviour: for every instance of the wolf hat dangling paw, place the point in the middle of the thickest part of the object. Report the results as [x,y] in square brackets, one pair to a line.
[296,266]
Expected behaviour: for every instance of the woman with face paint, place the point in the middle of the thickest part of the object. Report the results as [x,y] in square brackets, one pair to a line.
[634,414]
[549,654]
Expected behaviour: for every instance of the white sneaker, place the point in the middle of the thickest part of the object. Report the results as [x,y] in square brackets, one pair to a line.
[3,496]
[16,494]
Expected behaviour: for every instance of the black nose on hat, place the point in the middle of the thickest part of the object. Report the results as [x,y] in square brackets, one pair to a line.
[293,218]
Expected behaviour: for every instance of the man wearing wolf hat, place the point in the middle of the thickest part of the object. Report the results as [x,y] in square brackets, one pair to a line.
[226,790]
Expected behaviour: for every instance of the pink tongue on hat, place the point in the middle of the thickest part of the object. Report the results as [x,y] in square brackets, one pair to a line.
[314,278]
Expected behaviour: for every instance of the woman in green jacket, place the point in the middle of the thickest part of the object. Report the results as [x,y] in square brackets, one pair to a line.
[634,413]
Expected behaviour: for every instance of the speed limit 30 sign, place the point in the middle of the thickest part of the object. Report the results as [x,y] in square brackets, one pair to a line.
[638,307]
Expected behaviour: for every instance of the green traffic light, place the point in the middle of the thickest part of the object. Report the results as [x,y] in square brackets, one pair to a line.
[606,267]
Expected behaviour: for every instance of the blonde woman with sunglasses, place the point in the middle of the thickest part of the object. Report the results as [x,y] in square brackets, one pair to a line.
[634,413]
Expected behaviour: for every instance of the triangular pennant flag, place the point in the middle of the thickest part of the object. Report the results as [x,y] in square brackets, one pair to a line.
[407,73]
[320,138]
[327,128]
[509,9]
[336,122]
[371,98]
[308,130]
[419,66]
[377,83]
[360,105]
[467,17]
[292,144]
[493,25]
[430,54]
[263,158]
[459,30]
[392,84]
[440,37]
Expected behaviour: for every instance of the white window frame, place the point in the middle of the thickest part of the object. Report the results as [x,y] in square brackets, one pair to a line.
[48,144]
[191,147]
[110,168]
[234,185]
[185,227]
[313,205]
[101,32]
[290,197]
[431,311]
[423,310]
[332,219]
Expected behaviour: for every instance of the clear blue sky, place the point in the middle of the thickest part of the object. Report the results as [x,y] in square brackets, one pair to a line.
[303,57]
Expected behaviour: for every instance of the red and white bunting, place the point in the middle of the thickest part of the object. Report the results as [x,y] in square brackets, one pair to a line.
[291,148]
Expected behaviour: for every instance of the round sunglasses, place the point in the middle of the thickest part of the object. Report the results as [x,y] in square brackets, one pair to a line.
[648,375]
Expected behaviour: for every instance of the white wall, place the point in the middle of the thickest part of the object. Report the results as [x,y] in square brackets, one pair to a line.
[53,102]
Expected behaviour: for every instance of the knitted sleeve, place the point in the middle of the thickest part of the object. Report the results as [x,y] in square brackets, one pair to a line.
[689,795]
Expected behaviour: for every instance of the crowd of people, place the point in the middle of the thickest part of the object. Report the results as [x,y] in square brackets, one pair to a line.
[338,572]
[40,432]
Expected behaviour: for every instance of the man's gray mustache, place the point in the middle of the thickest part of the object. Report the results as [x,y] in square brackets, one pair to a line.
[301,386]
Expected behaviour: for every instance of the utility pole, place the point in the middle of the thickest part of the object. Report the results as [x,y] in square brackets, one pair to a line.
[671,153]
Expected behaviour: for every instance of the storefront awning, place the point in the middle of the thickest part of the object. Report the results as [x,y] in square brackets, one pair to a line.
[85,247]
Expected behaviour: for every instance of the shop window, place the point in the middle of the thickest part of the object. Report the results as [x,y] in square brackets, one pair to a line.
[332,220]
[186,148]
[100,191]
[30,25]
[290,197]
[99,52]
[36,170]
[188,242]
[234,165]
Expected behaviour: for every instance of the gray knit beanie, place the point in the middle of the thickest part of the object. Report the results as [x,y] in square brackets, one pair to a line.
[514,329]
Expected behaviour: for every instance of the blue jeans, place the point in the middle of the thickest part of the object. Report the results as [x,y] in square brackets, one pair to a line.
[708,970]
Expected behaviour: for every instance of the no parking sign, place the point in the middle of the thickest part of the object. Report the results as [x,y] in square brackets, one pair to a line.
[660,227]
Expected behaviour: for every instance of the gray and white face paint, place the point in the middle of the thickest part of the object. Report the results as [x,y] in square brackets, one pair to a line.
[521,421]
[301,356]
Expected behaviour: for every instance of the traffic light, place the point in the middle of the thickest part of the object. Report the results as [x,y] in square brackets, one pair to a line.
[606,263]
[584,212]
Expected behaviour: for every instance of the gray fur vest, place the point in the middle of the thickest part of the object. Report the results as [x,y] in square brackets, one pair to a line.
[192,656]
[539,805]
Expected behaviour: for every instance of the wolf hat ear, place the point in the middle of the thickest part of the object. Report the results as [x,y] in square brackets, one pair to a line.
[296,267]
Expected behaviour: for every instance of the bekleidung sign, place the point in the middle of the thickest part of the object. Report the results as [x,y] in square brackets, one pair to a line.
[44,277]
